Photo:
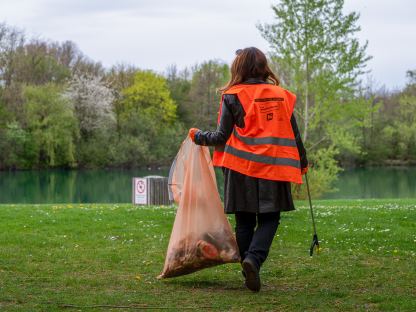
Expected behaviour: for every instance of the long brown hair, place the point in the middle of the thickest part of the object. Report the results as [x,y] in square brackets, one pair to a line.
[250,63]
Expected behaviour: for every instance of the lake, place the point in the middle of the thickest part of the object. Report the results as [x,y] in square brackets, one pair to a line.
[376,182]
[114,186]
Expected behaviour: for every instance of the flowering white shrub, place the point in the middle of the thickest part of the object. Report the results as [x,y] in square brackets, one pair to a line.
[92,101]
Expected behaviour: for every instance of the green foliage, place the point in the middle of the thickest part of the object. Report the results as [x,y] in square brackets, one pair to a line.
[148,122]
[401,135]
[179,86]
[150,97]
[406,126]
[35,64]
[98,151]
[16,146]
[164,150]
[203,100]
[321,175]
[391,137]
[128,117]
[52,125]
[316,55]
[4,114]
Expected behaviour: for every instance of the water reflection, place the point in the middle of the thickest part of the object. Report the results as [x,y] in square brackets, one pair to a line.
[391,182]
[70,186]
[114,186]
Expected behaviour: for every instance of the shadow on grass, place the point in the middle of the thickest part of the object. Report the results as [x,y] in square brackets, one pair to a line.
[268,287]
[211,285]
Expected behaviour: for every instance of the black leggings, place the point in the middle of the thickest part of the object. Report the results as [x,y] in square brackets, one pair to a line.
[255,244]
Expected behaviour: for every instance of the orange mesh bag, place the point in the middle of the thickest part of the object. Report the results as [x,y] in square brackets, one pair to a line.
[201,235]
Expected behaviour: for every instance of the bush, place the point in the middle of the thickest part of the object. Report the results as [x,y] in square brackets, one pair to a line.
[321,174]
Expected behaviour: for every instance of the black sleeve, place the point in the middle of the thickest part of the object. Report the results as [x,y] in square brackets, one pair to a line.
[232,113]
[299,143]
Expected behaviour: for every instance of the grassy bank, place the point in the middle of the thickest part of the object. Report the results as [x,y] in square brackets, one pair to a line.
[77,256]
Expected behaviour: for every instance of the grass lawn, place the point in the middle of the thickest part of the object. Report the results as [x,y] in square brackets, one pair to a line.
[75,257]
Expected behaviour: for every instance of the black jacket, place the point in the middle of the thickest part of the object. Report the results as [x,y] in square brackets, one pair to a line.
[241,192]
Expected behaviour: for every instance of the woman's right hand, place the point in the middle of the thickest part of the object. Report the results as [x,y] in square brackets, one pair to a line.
[192,132]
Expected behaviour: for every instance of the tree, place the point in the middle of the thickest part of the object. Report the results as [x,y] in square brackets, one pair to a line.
[392,136]
[317,56]
[14,143]
[411,74]
[149,131]
[52,125]
[203,100]
[36,63]
[120,77]
[11,39]
[92,101]
[179,85]
[150,96]
[401,133]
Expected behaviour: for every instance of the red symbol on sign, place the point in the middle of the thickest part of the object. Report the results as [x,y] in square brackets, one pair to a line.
[140,186]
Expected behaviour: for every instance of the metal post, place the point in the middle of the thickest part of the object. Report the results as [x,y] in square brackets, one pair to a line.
[315,241]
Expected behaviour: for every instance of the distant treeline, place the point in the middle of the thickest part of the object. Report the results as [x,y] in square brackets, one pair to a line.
[58,108]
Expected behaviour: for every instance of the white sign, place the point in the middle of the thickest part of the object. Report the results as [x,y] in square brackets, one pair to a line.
[139,191]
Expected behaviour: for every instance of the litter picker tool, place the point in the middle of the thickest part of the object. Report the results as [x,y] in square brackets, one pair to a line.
[315,241]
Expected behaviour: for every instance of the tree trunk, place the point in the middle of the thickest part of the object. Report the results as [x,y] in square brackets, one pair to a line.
[306,115]
[306,110]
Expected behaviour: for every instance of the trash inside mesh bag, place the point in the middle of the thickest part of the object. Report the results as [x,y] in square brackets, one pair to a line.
[201,235]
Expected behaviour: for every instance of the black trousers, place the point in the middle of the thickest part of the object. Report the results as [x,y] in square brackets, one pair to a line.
[253,242]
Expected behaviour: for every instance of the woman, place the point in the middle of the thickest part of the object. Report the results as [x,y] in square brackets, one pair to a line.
[258,146]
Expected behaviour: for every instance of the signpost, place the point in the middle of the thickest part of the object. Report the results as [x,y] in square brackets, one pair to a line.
[150,190]
[140,191]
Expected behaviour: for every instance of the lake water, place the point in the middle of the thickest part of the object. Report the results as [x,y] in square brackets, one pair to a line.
[111,186]
[376,182]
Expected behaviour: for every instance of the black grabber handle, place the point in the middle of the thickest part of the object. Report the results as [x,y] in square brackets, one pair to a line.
[315,241]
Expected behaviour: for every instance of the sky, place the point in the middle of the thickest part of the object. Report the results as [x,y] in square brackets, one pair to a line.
[153,34]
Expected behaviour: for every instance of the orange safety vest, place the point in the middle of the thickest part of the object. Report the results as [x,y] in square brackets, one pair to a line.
[266,147]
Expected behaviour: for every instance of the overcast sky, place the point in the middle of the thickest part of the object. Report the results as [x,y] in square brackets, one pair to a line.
[153,34]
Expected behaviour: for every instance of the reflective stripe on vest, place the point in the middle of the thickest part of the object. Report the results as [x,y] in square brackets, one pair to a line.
[265,140]
[262,158]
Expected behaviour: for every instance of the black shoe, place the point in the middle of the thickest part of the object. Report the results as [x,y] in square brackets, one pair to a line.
[251,274]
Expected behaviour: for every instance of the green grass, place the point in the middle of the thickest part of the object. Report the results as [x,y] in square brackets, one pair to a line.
[87,255]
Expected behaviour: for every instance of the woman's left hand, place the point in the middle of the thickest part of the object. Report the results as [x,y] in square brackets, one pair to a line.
[192,132]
